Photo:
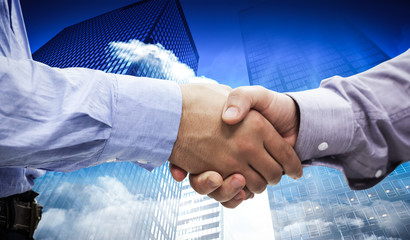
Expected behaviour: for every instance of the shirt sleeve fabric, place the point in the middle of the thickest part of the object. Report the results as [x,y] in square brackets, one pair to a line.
[14,45]
[359,124]
[67,119]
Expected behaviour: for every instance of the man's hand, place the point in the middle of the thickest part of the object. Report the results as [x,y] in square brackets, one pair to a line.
[252,148]
[278,108]
[230,192]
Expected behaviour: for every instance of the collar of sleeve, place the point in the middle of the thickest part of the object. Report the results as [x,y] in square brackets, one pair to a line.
[145,121]
[326,123]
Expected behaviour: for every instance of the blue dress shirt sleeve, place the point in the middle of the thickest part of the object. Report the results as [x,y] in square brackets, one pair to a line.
[67,119]
[14,45]
[359,124]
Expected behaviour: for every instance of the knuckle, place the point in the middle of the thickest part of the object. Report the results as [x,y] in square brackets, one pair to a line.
[231,163]
[259,88]
[245,145]
[257,121]
[239,91]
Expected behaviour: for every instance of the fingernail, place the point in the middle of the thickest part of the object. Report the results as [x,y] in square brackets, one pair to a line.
[231,112]
[236,183]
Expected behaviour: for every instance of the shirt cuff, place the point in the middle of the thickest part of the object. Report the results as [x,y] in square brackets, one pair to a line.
[146,120]
[326,123]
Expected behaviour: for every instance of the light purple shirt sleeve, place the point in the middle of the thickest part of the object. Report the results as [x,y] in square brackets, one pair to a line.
[359,124]
[67,119]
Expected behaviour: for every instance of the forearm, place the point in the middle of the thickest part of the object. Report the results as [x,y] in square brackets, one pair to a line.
[66,119]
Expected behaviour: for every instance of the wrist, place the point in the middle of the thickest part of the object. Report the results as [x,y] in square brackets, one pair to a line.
[326,123]
[289,120]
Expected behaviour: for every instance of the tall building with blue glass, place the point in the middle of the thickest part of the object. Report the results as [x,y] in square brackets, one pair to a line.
[117,195]
[87,44]
[292,49]
[200,217]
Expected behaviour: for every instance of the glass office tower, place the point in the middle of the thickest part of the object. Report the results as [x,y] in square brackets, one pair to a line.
[200,217]
[290,49]
[115,200]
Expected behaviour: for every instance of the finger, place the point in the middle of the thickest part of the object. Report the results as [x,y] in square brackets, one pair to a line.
[248,194]
[234,202]
[268,167]
[254,180]
[231,186]
[206,182]
[260,160]
[283,153]
[242,99]
[177,173]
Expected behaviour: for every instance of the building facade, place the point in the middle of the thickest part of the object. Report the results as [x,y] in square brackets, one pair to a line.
[200,217]
[292,49]
[87,44]
[116,200]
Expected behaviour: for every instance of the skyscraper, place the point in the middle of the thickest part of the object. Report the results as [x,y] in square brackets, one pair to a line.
[292,49]
[87,44]
[200,217]
[115,200]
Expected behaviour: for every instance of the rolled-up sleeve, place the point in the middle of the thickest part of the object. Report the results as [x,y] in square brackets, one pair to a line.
[359,124]
[67,119]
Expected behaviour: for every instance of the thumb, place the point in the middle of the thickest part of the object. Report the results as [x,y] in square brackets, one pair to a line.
[242,99]
[237,106]
[177,173]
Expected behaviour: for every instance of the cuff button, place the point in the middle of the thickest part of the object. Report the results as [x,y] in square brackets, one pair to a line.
[141,161]
[323,146]
[378,173]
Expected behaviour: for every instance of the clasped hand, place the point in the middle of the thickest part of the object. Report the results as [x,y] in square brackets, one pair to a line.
[230,158]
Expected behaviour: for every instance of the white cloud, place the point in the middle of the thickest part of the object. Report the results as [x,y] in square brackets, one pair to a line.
[106,210]
[162,61]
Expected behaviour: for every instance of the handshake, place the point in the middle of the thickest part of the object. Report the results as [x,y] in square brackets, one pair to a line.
[235,142]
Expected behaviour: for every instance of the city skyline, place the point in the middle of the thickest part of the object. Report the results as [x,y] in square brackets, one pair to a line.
[237,58]
[215,27]
[285,55]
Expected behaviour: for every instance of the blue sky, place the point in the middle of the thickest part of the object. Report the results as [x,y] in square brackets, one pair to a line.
[215,27]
